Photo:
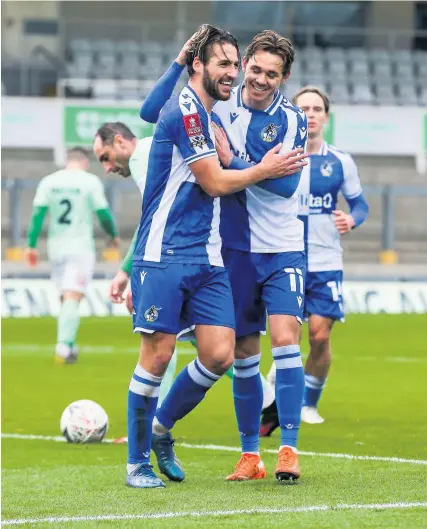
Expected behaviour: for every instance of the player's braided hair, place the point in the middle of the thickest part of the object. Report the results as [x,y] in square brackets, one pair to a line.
[202,42]
[313,90]
[269,40]
[108,130]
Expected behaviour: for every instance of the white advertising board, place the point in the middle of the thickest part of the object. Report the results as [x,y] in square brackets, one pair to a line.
[38,297]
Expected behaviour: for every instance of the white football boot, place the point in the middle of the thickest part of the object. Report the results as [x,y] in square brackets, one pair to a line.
[310,415]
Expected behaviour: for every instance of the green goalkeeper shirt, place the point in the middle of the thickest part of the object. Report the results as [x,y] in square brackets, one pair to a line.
[71,197]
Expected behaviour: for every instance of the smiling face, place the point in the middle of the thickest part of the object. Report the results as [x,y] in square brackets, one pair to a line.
[263,77]
[114,158]
[314,108]
[220,72]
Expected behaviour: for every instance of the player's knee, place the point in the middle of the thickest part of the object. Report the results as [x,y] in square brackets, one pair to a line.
[156,351]
[285,337]
[319,337]
[221,358]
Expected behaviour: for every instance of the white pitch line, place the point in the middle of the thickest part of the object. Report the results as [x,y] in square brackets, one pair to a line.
[202,514]
[223,448]
[17,349]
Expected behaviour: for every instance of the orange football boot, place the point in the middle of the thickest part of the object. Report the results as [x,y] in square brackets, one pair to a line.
[248,467]
[287,465]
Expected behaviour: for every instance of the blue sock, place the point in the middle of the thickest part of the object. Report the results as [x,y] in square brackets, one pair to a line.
[313,390]
[142,403]
[248,397]
[289,391]
[188,389]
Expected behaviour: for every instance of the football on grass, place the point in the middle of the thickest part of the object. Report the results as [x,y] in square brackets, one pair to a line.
[84,421]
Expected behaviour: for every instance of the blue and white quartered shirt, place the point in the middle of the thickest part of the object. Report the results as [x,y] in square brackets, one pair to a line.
[255,219]
[329,172]
[180,221]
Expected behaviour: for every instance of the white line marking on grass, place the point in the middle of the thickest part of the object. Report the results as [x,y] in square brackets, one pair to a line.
[222,448]
[49,349]
[201,514]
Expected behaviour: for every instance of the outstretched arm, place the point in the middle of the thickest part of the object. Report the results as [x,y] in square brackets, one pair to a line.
[160,93]
[162,90]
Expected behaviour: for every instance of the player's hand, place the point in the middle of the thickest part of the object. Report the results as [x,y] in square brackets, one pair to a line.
[31,256]
[115,242]
[278,165]
[222,145]
[182,55]
[118,286]
[343,221]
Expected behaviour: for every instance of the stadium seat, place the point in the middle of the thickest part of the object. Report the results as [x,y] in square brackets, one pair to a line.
[359,69]
[382,71]
[401,56]
[315,79]
[422,99]
[335,54]
[362,94]
[379,55]
[422,72]
[339,93]
[404,70]
[385,93]
[357,54]
[407,94]
[337,67]
[314,67]
[291,88]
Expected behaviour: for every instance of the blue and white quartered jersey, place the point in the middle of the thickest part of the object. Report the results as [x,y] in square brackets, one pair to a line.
[254,219]
[326,174]
[180,221]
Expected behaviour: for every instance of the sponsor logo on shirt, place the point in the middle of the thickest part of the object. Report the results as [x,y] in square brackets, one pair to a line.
[198,141]
[312,201]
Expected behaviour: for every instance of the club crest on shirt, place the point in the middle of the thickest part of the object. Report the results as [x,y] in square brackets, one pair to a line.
[326,169]
[269,133]
[152,313]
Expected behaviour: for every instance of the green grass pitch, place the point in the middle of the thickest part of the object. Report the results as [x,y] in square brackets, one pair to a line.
[374,405]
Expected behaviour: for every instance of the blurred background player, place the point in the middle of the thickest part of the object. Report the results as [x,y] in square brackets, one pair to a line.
[255,118]
[70,197]
[328,173]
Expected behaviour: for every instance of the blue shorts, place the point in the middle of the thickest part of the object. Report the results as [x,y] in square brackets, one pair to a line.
[272,283]
[323,295]
[173,297]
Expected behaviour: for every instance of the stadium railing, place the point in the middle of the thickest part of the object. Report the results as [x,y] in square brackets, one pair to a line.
[387,193]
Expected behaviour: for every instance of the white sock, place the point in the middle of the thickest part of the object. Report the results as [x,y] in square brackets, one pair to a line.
[158,428]
[130,467]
